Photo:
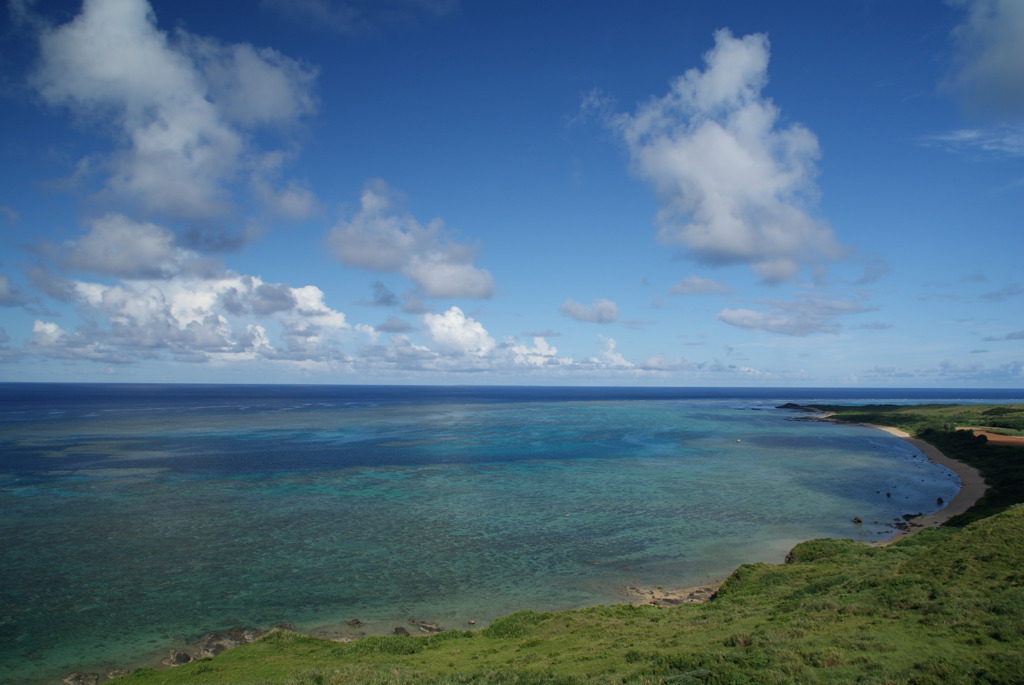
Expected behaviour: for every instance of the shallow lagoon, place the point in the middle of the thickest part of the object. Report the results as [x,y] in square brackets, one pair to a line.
[137,519]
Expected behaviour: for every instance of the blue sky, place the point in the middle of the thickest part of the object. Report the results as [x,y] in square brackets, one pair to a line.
[708,193]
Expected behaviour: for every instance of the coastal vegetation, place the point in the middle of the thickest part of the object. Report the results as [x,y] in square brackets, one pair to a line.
[964,432]
[943,606]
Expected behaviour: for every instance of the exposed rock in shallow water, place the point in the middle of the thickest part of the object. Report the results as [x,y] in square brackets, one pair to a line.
[81,679]
[176,658]
[213,644]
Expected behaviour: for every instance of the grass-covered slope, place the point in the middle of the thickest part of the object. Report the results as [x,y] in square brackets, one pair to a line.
[943,606]
[1006,418]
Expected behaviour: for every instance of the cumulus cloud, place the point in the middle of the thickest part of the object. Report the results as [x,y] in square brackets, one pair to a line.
[118,246]
[384,238]
[181,106]
[455,332]
[611,356]
[195,319]
[541,354]
[734,184]
[988,71]
[811,314]
[600,311]
[696,285]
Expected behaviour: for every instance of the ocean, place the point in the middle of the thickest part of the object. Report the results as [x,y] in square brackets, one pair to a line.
[136,518]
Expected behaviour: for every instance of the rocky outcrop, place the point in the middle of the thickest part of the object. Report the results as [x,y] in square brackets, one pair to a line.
[213,644]
[176,657]
[662,597]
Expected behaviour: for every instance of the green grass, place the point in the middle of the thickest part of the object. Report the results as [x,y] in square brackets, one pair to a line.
[914,418]
[943,606]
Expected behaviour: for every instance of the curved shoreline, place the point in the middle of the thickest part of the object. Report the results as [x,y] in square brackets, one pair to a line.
[972,488]
[972,485]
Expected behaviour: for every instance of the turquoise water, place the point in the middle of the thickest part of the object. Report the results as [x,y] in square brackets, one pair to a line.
[133,527]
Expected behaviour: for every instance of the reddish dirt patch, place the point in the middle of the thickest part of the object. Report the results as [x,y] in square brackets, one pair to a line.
[995,438]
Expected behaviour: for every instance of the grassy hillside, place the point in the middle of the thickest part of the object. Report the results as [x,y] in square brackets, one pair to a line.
[943,606]
[1006,418]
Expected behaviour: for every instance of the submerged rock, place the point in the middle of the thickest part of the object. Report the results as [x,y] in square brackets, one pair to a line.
[176,658]
[81,679]
[213,644]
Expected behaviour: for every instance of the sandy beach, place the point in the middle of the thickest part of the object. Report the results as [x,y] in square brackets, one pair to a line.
[972,486]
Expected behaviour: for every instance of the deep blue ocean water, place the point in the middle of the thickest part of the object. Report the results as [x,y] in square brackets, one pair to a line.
[139,517]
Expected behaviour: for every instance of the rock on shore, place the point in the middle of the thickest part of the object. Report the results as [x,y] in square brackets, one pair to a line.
[662,597]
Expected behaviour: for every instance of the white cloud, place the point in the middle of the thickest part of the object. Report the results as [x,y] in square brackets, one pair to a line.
[541,354]
[47,332]
[660,362]
[1000,141]
[50,340]
[989,61]
[612,357]
[286,198]
[600,311]
[117,246]
[180,107]
[798,324]
[197,319]
[697,285]
[383,238]
[810,314]
[253,86]
[734,185]
[454,332]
